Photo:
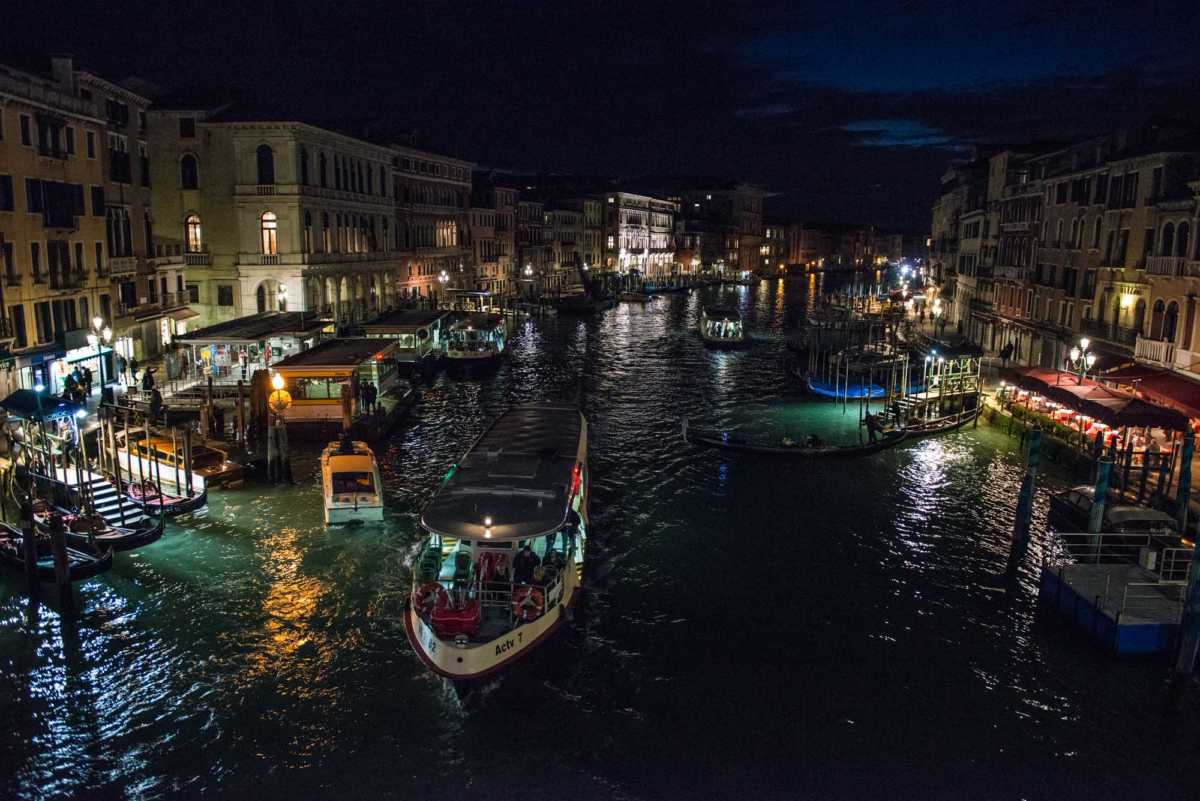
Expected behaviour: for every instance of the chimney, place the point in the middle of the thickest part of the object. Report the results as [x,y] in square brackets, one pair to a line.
[62,68]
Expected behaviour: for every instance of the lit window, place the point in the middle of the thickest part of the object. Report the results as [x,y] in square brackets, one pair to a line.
[270,226]
[195,236]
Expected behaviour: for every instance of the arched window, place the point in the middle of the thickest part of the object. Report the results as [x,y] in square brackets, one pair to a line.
[1183,235]
[326,239]
[1074,231]
[337,172]
[308,232]
[269,226]
[322,167]
[266,165]
[189,173]
[1096,234]
[1171,321]
[1156,319]
[1167,244]
[304,165]
[1058,232]
[260,296]
[193,234]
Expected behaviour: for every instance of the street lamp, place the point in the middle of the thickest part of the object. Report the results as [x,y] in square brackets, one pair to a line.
[1080,359]
[98,336]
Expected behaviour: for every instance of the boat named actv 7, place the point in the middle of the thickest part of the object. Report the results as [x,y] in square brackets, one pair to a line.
[722,327]
[503,559]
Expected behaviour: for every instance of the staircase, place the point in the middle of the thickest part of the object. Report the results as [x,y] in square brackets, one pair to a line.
[109,504]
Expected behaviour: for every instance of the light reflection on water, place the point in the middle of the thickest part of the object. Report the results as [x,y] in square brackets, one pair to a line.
[752,628]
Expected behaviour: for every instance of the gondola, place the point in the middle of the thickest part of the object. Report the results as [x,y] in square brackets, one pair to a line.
[723,439]
[940,425]
[83,563]
[151,500]
[104,534]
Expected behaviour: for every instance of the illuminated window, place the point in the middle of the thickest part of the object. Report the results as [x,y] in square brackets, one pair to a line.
[270,227]
[326,239]
[195,235]
[189,173]
[308,233]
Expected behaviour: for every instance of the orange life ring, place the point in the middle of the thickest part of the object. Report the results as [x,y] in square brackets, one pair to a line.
[528,603]
[430,592]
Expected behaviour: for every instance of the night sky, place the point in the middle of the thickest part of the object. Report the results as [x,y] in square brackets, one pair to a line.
[851,110]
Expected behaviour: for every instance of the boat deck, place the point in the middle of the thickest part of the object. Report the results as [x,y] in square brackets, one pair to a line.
[1126,607]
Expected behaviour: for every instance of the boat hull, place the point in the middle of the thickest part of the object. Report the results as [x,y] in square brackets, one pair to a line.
[480,660]
[341,515]
[723,344]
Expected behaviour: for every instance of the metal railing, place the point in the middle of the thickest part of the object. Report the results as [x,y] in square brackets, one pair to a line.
[1165,265]
[1170,565]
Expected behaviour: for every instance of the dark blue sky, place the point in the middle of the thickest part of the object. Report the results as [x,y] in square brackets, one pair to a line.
[851,109]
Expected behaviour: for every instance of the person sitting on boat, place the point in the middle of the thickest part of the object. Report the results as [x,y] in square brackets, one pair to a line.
[524,564]
[788,442]
[499,579]
[540,576]
[553,564]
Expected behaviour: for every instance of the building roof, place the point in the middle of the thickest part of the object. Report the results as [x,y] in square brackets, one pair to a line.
[337,353]
[519,474]
[256,328]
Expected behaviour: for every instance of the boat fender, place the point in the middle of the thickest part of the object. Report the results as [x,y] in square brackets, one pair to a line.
[528,603]
[429,596]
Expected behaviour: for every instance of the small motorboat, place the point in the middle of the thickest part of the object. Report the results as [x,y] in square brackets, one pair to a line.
[350,482]
[82,562]
[88,530]
[723,439]
[722,327]
[1072,509]
[146,495]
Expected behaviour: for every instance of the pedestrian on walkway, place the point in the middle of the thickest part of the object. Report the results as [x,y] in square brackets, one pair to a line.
[148,380]
[133,371]
[121,365]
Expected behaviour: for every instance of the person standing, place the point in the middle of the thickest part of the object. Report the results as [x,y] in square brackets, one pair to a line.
[133,371]
[148,380]
[121,365]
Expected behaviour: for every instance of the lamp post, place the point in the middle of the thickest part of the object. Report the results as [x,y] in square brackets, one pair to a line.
[99,335]
[443,277]
[1080,359]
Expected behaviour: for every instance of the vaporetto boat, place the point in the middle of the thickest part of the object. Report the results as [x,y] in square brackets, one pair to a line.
[502,561]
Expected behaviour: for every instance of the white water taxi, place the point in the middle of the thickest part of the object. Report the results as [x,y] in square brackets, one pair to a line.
[350,481]
[503,559]
[722,327]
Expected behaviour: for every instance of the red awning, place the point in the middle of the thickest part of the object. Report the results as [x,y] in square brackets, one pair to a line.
[1111,406]
[1164,386]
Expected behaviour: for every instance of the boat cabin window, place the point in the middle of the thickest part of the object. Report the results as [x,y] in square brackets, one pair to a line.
[206,457]
[352,481]
[316,387]
[476,339]
[722,328]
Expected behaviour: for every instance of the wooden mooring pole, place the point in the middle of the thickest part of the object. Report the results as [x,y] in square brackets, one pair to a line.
[29,538]
[1025,499]
[62,565]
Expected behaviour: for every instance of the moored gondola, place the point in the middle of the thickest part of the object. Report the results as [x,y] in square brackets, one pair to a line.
[152,500]
[723,439]
[82,562]
[940,425]
[88,530]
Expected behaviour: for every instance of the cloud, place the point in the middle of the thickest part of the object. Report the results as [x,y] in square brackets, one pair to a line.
[898,133]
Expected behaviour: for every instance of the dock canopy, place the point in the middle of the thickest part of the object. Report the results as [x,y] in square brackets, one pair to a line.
[404,321]
[1109,405]
[24,404]
[257,328]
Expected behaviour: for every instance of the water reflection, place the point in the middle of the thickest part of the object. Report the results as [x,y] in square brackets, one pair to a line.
[836,622]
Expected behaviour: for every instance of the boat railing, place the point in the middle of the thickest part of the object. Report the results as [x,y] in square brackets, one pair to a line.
[1152,598]
[1171,564]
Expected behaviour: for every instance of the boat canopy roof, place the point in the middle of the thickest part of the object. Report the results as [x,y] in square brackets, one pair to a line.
[722,313]
[1119,515]
[337,354]
[478,320]
[517,475]
[404,320]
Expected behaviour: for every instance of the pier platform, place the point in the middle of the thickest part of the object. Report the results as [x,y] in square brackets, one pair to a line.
[1126,608]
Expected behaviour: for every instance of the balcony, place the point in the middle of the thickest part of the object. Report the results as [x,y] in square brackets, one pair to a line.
[197,259]
[122,265]
[173,300]
[1172,266]
[1156,351]
[1114,334]
[66,280]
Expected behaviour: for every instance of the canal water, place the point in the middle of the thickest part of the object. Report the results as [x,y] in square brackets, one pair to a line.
[751,629]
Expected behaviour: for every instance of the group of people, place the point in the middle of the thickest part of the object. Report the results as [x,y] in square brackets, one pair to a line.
[527,569]
[77,386]
[367,395]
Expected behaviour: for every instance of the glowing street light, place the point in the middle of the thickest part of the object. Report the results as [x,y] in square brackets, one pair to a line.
[1080,359]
